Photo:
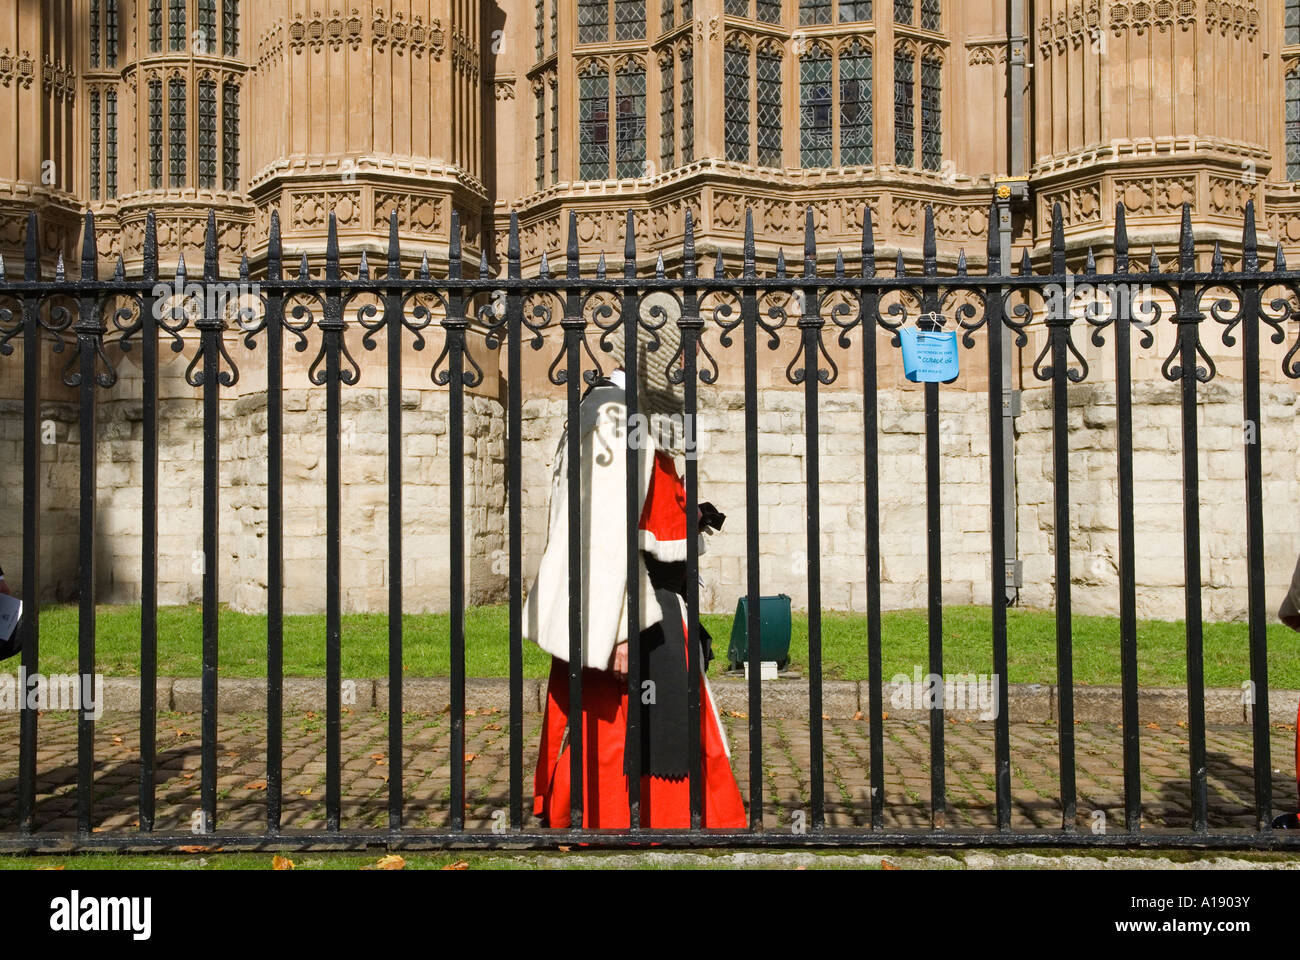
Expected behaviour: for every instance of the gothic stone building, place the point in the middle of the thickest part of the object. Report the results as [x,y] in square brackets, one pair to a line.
[596,107]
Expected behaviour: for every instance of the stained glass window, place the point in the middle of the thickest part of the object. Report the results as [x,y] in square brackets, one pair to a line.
[230,28]
[931,114]
[629,19]
[155,134]
[769,107]
[904,110]
[736,91]
[932,15]
[230,135]
[630,103]
[176,25]
[688,107]
[593,123]
[110,144]
[94,144]
[815,108]
[155,26]
[593,21]
[207,134]
[814,11]
[667,113]
[855,106]
[205,39]
[176,132]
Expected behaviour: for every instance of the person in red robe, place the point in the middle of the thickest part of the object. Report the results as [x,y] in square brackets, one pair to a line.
[665,782]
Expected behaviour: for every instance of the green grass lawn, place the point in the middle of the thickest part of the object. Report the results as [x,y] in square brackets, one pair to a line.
[426,652]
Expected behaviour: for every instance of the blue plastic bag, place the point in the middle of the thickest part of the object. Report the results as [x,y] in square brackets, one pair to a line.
[929,356]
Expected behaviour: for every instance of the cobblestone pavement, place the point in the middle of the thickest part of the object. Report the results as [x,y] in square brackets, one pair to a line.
[241,781]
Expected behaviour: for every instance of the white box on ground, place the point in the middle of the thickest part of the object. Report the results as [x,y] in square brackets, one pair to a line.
[767,671]
[11,611]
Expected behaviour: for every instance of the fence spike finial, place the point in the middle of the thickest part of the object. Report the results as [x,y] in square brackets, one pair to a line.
[659,267]
[1026,264]
[1216,264]
[1090,264]
[961,262]
[394,247]
[243,268]
[484,271]
[89,254]
[150,246]
[1153,264]
[544,269]
[2,268]
[424,265]
[274,251]
[1186,242]
[809,243]
[210,268]
[839,264]
[868,242]
[1058,240]
[1121,239]
[304,270]
[363,268]
[900,268]
[119,269]
[719,268]
[629,246]
[930,246]
[332,249]
[780,264]
[751,266]
[453,247]
[994,251]
[571,253]
[1250,241]
[512,247]
[59,272]
[181,272]
[688,247]
[600,267]
[32,249]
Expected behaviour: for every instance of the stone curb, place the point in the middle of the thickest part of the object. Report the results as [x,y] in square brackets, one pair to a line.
[841,699]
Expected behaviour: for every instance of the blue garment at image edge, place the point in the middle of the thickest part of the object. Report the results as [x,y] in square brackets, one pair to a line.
[929,356]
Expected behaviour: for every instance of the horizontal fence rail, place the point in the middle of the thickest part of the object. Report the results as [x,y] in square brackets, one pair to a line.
[84,316]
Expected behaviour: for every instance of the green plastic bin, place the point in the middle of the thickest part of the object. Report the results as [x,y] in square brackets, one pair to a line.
[774,631]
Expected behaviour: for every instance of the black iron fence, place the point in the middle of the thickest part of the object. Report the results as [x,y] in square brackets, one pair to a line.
[749,313]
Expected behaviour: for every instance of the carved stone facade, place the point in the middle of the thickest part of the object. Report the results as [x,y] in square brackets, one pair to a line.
[356,108]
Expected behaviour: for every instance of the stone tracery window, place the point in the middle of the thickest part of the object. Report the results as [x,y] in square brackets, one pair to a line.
[539,133]
[856,106]
[155,134]
[205,39]
[736,93]
[629,105]
[768,62]
[110,144]
[904,10]
[207,134]
[176,25]
[155,26]
[814,11]
[230,135]
[854,12]
[904,108]
[539,11]
[555,131]
[110,33]
[230,28]
[815,133]
[667,112]
[600,21]
[907,105]
[94,144]
[1292,29]
[931,112]
[1293,126]
[767,11]
[932,15]
[176,132]
[593,122]
[688,106]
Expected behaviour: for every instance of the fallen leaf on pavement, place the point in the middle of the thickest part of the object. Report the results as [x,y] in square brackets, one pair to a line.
[391,862]
[281,863]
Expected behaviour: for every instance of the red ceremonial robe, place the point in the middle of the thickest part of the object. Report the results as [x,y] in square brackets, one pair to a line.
[665,801]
